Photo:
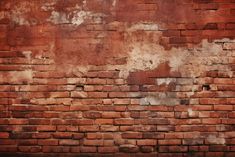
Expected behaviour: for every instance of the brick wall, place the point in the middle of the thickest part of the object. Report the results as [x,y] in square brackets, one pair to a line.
[117,78]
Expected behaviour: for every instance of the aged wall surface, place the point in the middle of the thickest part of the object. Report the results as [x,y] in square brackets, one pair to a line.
[124,78]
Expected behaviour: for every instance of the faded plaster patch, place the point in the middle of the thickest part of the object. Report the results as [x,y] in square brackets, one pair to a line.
[80,17]
[212,139]
[190,112]
[192,62]
[143,55]
[84,2]
[17,77]
[147,56]
[58,18]
[76,17]
[165,81]
[19,11]
[27,54]
[114,3]
[158,100]
[146,26]
[49,6]
[2,15]
[80,71]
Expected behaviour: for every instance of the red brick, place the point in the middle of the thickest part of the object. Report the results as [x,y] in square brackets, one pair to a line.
[75,149]
[4,135]
[109,128]
[92,115]
[86,149]
[118,95]
[39,121]
[124,121]
[97,95]
[96,81]
[128,148]
[211,121]
[107,149]
[28,142]
[48,142]
[78,94]
[46,128]
[132,135]
[104,121]
[55,149]
[69,142]
[111,115]
[89,128]
[31,149]
[223,107]
[94,136]
[169,142]
[62,135]
[78,135]
[93,142]
[146,142]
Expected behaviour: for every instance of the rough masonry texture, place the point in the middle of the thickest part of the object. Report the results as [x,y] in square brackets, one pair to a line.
[122,78]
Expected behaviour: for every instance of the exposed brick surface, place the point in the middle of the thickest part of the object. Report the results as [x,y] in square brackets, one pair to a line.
[117,78]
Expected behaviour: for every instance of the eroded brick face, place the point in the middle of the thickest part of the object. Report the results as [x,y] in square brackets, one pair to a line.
[117,78]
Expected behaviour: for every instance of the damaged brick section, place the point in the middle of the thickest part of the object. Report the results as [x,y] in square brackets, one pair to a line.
[117,78]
